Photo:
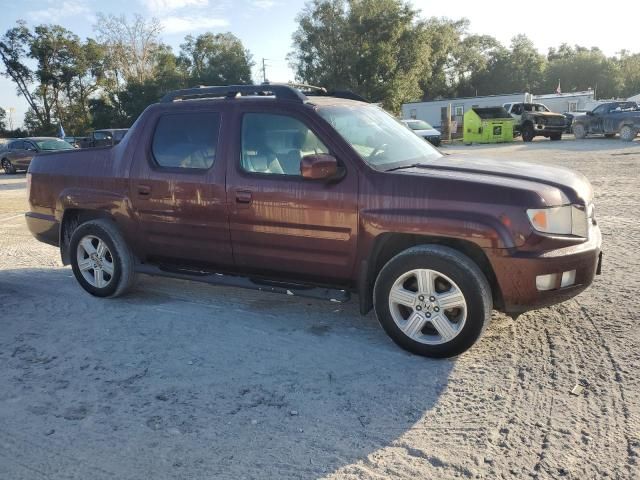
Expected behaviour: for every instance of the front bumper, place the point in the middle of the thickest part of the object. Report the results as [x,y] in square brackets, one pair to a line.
[516,273]
[549,129]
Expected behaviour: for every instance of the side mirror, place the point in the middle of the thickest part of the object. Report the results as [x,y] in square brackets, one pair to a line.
[318,166]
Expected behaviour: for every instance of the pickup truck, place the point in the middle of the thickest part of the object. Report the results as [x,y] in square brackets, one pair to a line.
[536,120]
[610,118]
[102,138]
[302,192]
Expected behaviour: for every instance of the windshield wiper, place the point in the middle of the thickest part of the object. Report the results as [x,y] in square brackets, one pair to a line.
[413,165]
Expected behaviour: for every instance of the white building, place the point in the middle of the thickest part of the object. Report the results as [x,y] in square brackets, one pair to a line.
[434,111]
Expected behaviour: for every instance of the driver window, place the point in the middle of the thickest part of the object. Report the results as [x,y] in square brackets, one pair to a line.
[275,144]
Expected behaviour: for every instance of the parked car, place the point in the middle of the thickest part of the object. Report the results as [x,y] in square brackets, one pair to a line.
[18,153]
[74,141]
[610,119]
[102,138]
[305,193]
[535,120]
[569,117]
[424,130]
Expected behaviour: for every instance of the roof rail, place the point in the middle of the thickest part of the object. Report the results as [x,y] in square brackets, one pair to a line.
[281,92]
[296,92]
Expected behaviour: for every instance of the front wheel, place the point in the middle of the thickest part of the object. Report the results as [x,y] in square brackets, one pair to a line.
[432,301]
[8,168]
[528,133]
[101,260]
[579,131]
[627,133]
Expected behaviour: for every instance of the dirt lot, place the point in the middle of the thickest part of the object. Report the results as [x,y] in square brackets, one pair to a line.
[181,380]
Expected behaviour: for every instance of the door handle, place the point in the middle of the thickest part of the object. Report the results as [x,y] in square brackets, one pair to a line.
[144,190]
[243,196]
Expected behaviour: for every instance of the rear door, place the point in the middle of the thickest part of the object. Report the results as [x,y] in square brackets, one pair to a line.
[177,187]
[282,224]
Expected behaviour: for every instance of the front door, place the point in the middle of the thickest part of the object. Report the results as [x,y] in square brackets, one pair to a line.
[281,223]
[177,188]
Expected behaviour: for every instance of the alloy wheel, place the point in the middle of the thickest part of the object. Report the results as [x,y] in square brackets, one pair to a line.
[95,261]
[427,306]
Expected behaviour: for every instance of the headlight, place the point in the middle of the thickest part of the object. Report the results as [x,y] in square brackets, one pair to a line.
[564,220]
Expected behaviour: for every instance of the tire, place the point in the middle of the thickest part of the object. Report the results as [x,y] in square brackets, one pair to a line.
[9,169]
[579,131]
[628,133]
[555,137]
[98,243]
[414,316]
[528,133]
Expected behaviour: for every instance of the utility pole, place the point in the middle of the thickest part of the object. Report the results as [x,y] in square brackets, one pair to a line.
[264,70]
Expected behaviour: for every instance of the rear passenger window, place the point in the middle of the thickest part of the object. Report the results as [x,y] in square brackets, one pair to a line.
[186,140]
[275,144]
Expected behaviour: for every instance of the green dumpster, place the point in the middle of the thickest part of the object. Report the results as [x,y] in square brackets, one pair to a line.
[487,125]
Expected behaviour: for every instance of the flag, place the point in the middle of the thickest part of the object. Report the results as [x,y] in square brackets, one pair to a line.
[61,131]
[558,90]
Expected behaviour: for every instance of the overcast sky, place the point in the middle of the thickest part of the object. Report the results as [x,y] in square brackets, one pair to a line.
[265,26]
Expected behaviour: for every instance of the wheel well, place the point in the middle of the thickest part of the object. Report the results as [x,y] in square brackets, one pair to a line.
[388,246]
[71,219]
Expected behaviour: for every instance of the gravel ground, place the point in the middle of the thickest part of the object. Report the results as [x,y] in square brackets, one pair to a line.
[184,380]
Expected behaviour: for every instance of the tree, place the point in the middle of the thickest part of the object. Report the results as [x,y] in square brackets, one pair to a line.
[580,68]
[131,46]
[377,48]
[215,59]
[3,120]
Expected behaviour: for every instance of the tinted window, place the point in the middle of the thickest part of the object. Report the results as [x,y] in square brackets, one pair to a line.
[18,145]
[119,134]
[276,144]
[186,140]
[53,144]
[101,135]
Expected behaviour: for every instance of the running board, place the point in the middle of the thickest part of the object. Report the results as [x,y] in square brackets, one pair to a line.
[263,285]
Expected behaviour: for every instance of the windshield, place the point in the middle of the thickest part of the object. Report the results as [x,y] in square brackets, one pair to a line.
[418,125]
[376,136]
[535,107]
[53,144]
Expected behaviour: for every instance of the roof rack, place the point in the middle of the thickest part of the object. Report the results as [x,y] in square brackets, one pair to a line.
[281,92]
[296,92]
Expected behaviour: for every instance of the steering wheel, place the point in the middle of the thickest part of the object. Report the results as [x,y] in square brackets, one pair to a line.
[378,149]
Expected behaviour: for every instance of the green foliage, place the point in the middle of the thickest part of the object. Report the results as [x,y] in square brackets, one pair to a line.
[376,48]
[215,59]
[380,49]
[3,120]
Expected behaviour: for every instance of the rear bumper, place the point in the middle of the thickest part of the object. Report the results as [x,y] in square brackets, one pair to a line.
[517,272]
[44,228]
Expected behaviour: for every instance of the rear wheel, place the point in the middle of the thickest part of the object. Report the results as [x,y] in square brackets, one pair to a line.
[101,260]
[432,301]
[528,133]
[579,131]
[628,133]
[8,168]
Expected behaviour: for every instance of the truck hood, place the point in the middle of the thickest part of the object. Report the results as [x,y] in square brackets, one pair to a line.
[547,114]
[575,186]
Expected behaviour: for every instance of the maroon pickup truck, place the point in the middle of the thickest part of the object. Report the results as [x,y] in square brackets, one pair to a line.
[305,193]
